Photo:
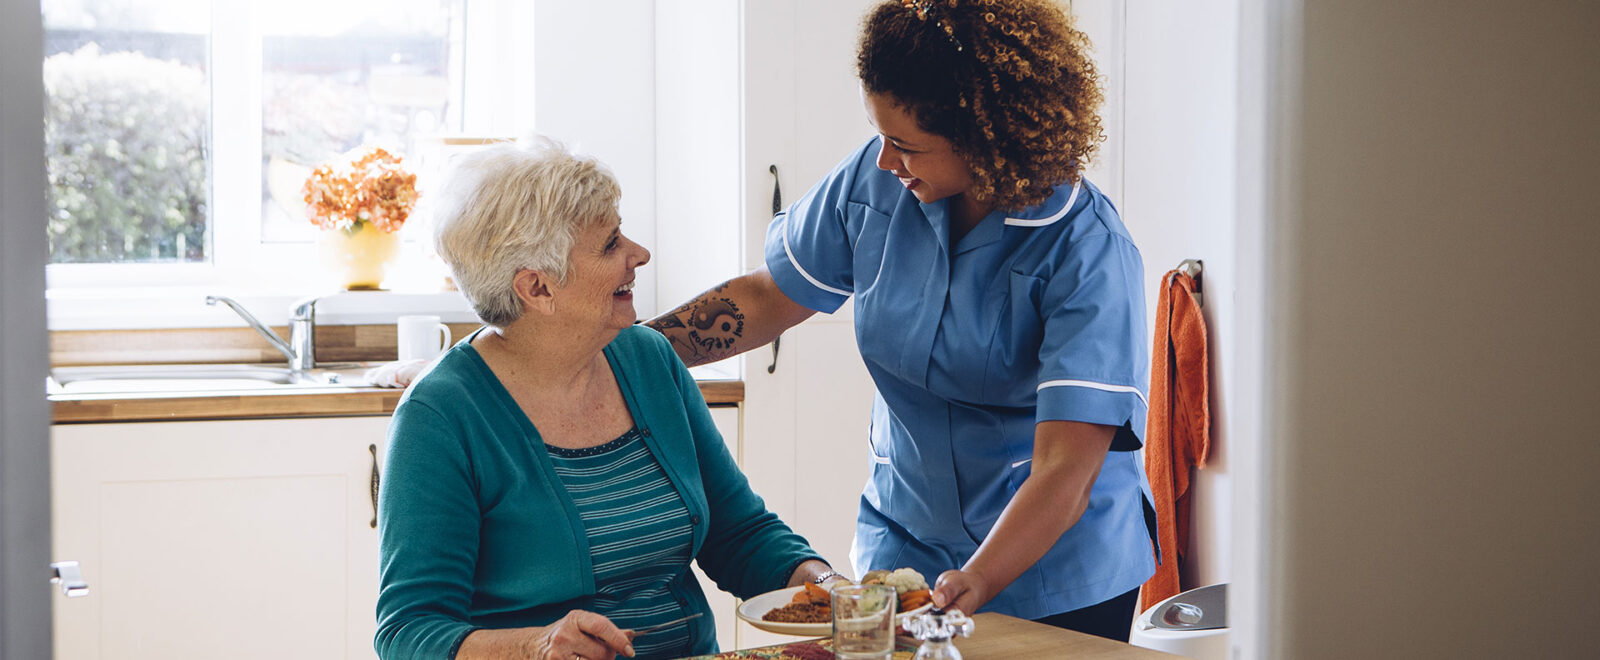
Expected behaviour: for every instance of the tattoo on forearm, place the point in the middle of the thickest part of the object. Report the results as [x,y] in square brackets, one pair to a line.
[705,329]
[716,324]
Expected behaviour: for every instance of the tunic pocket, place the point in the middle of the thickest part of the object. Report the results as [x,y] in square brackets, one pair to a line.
[1012,370]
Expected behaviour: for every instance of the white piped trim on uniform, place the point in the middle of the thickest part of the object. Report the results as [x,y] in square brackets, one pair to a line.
[1019,222]
[1094,386]
[802,271]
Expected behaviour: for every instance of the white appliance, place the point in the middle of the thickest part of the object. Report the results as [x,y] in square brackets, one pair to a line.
[1193,624]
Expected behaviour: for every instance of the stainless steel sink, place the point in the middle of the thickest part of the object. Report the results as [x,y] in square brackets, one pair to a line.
[189,378]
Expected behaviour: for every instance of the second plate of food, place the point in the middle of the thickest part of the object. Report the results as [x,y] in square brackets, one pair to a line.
[753,609]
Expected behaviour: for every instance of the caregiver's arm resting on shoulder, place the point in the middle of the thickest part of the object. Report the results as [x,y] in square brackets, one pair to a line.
[745,312]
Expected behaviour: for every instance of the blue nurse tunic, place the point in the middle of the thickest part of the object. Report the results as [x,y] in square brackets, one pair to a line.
[1033,315]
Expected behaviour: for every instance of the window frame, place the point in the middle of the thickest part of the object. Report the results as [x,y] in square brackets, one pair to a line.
[240,263]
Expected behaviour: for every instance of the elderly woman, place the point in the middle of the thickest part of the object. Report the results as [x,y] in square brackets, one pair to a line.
[551,477]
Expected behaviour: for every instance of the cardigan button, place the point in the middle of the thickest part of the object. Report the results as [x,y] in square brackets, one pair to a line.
[694,520]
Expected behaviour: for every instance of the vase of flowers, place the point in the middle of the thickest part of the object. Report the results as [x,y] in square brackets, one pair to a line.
[360,205]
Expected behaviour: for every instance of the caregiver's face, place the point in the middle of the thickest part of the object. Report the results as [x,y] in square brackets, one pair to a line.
[926,164]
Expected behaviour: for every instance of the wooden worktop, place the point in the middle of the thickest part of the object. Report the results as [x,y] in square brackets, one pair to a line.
[341,402]
[335,343]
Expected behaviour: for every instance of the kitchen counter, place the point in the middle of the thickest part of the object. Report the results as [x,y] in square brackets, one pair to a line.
[269,403]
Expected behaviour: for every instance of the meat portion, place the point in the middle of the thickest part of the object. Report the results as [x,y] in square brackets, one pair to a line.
[800,613]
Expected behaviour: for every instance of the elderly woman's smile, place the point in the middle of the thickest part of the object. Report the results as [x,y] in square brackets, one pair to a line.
[604,262]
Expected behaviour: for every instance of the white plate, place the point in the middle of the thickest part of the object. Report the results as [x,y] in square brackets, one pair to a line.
[751,611]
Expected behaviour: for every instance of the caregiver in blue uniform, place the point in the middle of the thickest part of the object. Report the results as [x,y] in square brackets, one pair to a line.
[999,308]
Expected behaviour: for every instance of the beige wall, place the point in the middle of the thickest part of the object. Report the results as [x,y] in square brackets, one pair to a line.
[1434,322]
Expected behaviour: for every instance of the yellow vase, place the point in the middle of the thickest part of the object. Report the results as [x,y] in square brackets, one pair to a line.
[358,258]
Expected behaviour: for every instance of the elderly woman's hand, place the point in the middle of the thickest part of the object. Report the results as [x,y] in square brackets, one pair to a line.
[579,634]
[582,634]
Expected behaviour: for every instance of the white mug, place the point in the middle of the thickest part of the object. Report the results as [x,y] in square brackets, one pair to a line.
[421,337]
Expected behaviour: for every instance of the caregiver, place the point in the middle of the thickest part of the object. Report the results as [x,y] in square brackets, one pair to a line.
[999,308]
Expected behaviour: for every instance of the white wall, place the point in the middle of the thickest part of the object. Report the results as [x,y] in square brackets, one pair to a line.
[1172,133]
[1432,281]
[697,155]
[24,414]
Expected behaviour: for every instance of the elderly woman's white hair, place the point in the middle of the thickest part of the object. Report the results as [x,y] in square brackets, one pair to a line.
[515,206]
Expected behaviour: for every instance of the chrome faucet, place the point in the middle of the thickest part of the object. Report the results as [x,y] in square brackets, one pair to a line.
[301,347]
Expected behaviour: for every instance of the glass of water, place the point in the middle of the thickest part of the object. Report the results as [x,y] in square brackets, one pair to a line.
[863,621]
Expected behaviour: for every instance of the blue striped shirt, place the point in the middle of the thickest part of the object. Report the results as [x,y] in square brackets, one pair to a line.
[640,537]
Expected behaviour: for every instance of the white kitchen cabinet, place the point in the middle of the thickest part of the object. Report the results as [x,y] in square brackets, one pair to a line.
[245,539]
[723,604]
[250,536]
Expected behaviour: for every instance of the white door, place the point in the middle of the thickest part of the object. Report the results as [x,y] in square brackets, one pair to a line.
[253,539]
[805,422]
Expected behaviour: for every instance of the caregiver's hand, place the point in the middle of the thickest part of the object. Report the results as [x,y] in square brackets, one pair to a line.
[579,634]
[962,590]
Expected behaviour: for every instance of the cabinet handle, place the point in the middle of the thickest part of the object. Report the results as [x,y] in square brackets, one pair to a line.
[777,205]
[70,579]
[374,450]
[777,197]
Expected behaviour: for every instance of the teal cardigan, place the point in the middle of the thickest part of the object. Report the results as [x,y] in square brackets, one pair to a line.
[476,531]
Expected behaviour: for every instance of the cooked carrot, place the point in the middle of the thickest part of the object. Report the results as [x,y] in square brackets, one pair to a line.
[920,593]
[914,603]
[816,593]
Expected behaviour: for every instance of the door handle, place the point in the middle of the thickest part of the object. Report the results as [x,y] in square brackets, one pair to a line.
[69,578]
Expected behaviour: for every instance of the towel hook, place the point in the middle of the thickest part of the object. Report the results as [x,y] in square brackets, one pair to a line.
[1193,268]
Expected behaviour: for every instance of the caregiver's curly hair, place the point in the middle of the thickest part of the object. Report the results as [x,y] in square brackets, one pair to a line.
[1008,82]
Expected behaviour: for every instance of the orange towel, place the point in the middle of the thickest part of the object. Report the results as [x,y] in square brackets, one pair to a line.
[1178,431]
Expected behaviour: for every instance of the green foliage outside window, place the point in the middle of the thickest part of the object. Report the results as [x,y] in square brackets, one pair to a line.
[126,143]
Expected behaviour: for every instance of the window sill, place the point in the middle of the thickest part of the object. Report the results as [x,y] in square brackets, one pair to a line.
[185,307]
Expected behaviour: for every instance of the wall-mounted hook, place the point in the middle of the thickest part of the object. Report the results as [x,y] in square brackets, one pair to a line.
[1193,268]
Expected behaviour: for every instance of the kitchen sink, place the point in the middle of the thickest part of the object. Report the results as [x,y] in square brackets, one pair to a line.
[193,378]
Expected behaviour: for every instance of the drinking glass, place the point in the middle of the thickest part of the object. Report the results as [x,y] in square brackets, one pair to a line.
[863,621]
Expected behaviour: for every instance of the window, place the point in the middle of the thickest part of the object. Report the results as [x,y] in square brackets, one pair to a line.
[127,129]
[179,132]
[274,88]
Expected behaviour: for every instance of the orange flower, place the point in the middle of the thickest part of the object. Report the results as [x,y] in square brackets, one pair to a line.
[371,189]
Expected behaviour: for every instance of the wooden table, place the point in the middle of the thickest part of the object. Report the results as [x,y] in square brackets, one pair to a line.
[994,637]
[997,636]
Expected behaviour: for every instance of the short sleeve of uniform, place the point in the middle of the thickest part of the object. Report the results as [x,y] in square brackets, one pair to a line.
[1094,360]
[809,251]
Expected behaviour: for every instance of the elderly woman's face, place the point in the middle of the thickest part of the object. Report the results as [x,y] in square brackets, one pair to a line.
[600,282]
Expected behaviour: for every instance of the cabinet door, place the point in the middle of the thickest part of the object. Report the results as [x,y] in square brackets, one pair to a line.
[723,605]
[245,539]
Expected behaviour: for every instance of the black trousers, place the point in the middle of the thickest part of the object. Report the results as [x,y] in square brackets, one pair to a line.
[1111,619]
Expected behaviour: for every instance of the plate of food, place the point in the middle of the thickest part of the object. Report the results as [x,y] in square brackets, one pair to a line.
[806,610]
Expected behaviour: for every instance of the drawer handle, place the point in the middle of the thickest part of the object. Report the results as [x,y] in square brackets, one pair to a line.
[374,450]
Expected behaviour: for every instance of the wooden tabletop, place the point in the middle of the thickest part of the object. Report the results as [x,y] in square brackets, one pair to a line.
[997,636]
[994,637]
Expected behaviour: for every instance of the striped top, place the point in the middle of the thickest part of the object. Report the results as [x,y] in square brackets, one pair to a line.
[640,537]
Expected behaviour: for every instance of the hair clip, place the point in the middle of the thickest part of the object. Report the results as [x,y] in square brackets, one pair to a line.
[918,7]
[921,9]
